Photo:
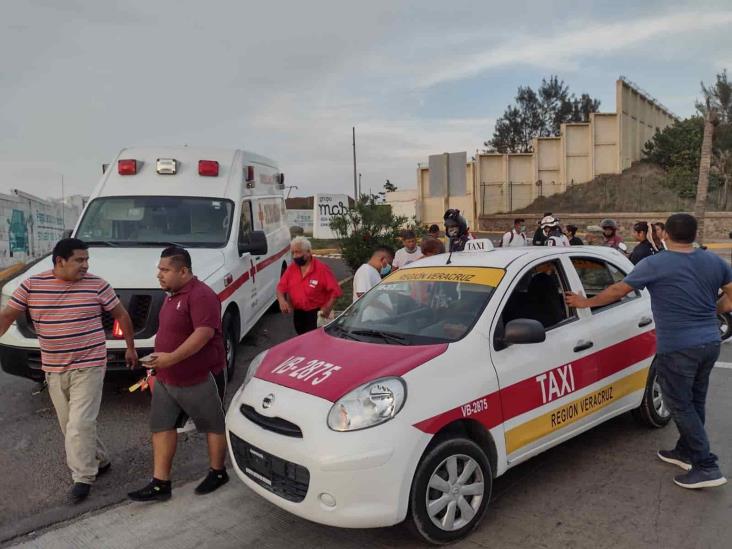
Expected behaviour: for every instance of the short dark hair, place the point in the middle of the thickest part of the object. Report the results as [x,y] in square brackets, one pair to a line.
[572,229]
[387,249]
[547,214]
[66,247]
[434,228]
[178,256]
[432,246]
[641,227]
[682,228]
[406,235]
[518,220]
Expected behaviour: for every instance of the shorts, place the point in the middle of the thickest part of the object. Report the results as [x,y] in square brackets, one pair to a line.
[172,405]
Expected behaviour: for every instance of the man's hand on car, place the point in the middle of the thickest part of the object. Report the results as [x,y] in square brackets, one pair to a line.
[575,300]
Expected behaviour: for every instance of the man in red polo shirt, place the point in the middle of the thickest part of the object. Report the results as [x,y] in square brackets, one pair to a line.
[189,352]
[308,286]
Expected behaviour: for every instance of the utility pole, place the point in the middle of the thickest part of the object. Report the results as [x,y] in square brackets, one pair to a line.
[359,184]
[355,184]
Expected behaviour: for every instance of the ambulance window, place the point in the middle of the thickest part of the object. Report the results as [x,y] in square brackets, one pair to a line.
[596,275]
[539,295]
[246,224]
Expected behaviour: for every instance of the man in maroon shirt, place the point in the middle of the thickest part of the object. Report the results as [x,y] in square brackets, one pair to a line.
[308,286]
[189,351]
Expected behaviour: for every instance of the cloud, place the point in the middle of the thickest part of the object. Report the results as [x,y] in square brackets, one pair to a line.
[563,50]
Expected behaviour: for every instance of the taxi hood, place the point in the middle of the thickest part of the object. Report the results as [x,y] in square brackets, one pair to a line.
[132,268]
[329,367]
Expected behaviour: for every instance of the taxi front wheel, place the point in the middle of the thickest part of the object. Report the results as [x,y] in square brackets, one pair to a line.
[653,412]
[450,491]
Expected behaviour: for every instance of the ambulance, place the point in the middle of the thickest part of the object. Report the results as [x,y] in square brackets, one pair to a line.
[441,378]
[226,207]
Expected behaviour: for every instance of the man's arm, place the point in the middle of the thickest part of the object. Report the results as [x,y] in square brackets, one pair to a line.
[120,314]
[609,295]
[284,303]
[7,317]
[724,305]
[194,343]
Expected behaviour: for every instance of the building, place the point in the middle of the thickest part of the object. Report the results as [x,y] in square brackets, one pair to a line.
[492,182]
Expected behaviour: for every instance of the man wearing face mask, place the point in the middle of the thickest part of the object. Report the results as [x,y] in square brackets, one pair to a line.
[516,237]
[306,288]
[369,274]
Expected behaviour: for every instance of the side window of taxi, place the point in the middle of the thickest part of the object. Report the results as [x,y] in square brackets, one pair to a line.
[596,275]
[539,295]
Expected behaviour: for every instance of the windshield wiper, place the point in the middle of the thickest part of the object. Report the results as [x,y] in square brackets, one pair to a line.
[342,332]
[108,243]
[386,336]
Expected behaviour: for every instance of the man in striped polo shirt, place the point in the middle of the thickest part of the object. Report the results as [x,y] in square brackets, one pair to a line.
[66,305]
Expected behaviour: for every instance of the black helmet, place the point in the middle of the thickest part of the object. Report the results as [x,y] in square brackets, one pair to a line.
[609,224]
[454,219]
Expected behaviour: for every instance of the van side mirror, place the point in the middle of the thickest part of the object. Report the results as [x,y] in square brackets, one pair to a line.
[256,245]
[522,331]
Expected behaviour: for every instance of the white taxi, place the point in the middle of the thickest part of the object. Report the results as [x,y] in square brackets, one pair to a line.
[448,373]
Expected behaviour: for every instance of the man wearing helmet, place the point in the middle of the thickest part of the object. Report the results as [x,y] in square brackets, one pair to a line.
[456,229]
[611,238]
[553,232]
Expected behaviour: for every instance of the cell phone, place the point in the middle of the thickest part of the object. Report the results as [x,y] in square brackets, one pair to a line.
[147,358]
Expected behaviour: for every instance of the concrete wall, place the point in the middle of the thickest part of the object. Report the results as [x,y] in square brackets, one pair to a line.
[640,117]
[431,209]
[404,203]
[607,144]
[31,226]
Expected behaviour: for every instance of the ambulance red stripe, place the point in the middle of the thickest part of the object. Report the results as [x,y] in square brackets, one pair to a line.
[239,282]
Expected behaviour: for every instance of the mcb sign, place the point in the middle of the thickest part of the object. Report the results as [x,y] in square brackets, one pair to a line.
[325,208]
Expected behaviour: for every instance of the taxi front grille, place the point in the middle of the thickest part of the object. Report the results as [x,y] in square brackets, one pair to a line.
[284,478]
[274,424]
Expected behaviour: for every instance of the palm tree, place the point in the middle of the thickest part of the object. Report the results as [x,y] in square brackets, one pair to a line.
[710,120]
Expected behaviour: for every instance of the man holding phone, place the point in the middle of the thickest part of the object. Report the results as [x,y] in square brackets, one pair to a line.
[189,352]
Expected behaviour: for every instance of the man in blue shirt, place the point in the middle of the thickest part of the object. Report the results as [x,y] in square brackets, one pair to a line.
[684,283]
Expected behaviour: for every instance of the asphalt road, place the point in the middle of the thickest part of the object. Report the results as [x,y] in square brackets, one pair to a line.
[34,479]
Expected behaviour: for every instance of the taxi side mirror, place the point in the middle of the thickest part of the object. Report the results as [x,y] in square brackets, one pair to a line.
[522,331]
[256,244]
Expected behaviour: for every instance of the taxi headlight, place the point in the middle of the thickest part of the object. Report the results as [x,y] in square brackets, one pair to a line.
[253,367]
[369,405]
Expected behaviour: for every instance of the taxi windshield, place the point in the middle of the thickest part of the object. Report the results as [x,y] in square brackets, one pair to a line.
[420,306]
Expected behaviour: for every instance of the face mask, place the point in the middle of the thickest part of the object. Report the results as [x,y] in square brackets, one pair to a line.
[300,260]
[452,231]
[522,229]
[385,270]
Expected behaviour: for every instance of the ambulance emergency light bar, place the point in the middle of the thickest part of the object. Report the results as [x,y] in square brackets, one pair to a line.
[169,166]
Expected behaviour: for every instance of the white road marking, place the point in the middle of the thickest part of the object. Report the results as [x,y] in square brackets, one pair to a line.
[727,365]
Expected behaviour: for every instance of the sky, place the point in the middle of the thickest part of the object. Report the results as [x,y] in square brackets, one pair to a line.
[79,80]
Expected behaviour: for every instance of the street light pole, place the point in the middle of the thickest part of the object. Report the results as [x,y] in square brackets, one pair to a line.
[355,184]
[359,183]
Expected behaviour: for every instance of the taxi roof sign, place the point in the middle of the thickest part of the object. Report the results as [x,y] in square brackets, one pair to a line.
[479,245]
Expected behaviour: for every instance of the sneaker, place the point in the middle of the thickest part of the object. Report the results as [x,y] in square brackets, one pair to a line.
[213,481]
[675,458]
[701,478]
[104,468]
[155,491]
[79,492]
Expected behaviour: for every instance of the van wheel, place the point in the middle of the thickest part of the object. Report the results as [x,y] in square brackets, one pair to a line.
[450,491]
[230,329]
[653,411]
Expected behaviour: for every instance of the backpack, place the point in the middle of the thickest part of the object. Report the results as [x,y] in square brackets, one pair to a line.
[500,244]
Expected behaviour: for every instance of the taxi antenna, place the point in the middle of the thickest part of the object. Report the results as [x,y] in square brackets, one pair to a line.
[449,257]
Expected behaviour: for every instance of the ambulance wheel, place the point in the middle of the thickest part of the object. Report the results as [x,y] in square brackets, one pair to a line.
[653,411]
[450,491]
[230,330]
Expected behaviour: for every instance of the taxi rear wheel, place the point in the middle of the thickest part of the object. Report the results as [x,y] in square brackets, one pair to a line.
[450,491]
[653,411]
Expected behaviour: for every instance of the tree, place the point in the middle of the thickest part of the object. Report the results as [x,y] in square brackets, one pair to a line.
[363,228]
[539,113]
[389,187]
[705,162]
[719,97]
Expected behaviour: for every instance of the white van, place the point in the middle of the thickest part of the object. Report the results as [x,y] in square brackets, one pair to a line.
[226,207]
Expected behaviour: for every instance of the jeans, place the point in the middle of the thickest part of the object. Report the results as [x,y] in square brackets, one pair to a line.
[684,379]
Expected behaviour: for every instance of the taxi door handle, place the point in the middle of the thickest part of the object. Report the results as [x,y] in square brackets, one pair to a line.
[645,321]
[582,346]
